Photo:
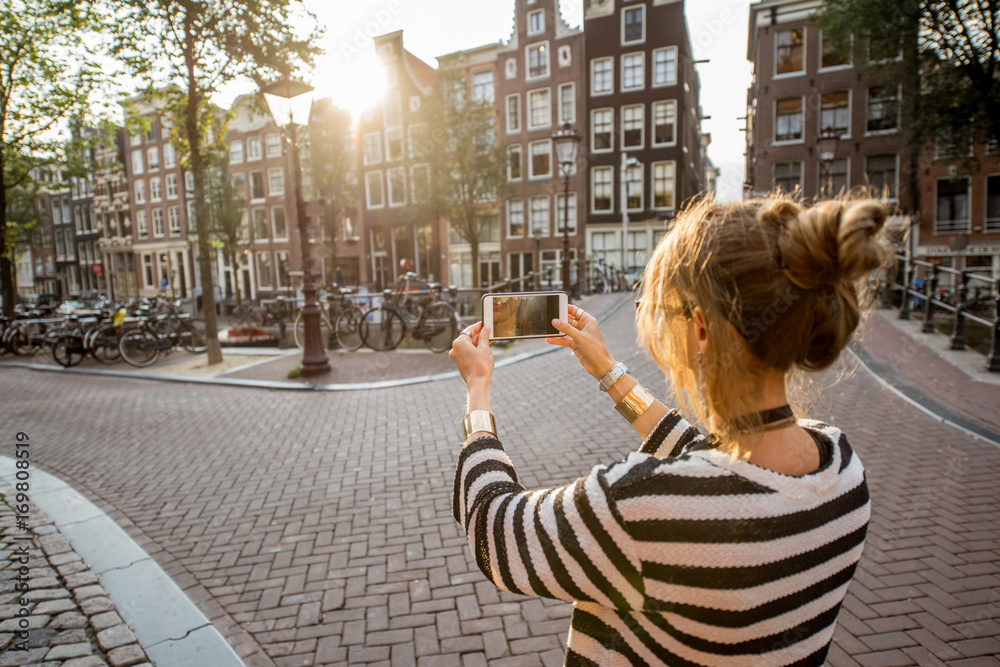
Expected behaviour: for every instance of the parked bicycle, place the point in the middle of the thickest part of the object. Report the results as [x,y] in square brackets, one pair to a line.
[141,347]
[425,316]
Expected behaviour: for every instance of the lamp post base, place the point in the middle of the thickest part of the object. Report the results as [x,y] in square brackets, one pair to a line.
[314,360]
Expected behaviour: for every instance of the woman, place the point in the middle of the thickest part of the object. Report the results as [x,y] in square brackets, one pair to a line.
[733,548]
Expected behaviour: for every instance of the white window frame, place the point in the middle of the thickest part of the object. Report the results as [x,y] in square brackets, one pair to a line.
[593,131]
[652,123]
[255,148]
[652,189]
[174,221]
[573,212]
[260,284]
[850,111]
[150,153]
[899,112]
[389,157]
[138,160]
[171,186]
[662,84]
[271,173]
[368,193]
[593,190]
[274,227]
[527,61]
[896,155]
[148,277]
[531,160]
[802,176]
[140,191]
[541,29]
[611,74]
[546,227]
[642,39]
[515,148]
[155,190]
[531,111]
[236,151]
[571,87]
[835,68]
[401,173]
[822,181]
[642,66]
[802,112]
[272,140]
[169,156]
[641,170]
[642,126]
[513,129]
[376,141]
[511,202]
[141,224]
[157,223]
[805,53]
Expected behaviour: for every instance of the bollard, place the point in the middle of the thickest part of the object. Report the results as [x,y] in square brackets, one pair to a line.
[283,343]
[993,359]
[931,288]
[958,336]
[904,309]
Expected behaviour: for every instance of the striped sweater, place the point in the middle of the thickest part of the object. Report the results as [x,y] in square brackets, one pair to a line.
[676,555]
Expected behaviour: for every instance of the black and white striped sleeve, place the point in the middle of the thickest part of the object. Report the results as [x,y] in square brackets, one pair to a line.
[566,543]
[671,436]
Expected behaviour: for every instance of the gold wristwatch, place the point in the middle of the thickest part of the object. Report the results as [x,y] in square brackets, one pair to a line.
[479,420]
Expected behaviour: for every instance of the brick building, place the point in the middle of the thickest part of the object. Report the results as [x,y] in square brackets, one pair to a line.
[111,205]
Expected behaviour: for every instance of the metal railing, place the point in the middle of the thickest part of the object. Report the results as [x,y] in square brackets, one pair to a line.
[983,310]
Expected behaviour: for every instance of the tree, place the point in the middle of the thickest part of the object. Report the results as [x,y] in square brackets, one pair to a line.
[227,223]
[331,168]
[468,167]
[43,83]
[950,64]
[189,49]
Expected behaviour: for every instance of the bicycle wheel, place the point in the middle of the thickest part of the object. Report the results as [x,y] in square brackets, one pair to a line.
[382,329]
[104,345]
[139,348]
[68,351]
[300,330]
[440,327]
[26,340]
[347,328]
[192,335]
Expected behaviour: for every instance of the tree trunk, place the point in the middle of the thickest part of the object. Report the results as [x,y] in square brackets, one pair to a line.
[474,248]
[236,278]
[200,210]
[6,254]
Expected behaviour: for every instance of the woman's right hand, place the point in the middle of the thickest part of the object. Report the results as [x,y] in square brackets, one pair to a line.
[583,336]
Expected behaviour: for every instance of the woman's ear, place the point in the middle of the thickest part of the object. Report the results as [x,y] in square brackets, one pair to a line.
[700,330]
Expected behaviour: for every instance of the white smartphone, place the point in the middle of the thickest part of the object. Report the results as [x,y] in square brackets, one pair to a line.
[513,315]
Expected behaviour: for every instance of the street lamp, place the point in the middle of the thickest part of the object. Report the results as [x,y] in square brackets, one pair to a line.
[290,102]
[827,142]
[567,141]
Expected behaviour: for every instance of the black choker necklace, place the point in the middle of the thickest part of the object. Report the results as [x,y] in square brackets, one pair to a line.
[766,420]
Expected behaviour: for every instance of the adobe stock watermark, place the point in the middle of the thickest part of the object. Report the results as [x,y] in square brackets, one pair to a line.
[364,36]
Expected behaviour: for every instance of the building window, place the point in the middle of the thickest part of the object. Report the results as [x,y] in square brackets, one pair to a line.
[147,270]
[420,183]
[281,266]
[952,206]
[788,177]
[883,108]
[279,224]
[992,204]
[602,189]
[137,163]
[397,186]
[372,148]
[665,66]
[665,123]
[256,185]
[238,182]
[839,178]
[541,159]
[394,143]
[140,192]
[633,71]
[169,156]
[602,77]
[172,186]
[539,109]
[829,56]
[276,181]
[260,232]
[567,103]
[373,189]
[536,22]
[513,113]
[632,126]
[602,129]
[789,45]
[633,25]
[265,271]
[174,221]
[540,223]
[482,87]
[538,61]
[565,56]
[789,119]
[273,144]
[392,108]
[141,224]
[153,158]
[157,222]
[155,191]
[253,148]
[515,218]
[880,172]
[514,167]
[634,188]
[235,152]
[561,213]
[664,184]
[835,112]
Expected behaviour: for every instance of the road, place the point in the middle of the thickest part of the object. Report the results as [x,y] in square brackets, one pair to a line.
[315,528]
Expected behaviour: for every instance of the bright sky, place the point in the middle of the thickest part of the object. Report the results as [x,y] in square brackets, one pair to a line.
[348,72]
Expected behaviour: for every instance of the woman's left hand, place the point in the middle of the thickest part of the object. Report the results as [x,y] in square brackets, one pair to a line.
[472,355]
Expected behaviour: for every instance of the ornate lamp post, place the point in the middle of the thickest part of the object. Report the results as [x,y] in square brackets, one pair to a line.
[290,102]
[567,141]
[827,142]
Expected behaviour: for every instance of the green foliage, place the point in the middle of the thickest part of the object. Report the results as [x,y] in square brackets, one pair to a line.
[950,67]
[295,372]
[468,167]
[226,224]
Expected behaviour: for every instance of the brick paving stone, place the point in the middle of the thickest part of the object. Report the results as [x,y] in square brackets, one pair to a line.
[89,661]
[69,620]
[68,651]
[114,637]
[17,658]
[53,607]
[126,656]
[106,620]
[98,604]
[68,637]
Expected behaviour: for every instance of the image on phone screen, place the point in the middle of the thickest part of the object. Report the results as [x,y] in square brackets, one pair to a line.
[519,316]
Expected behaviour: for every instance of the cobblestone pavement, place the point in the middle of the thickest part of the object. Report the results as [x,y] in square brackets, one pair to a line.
[66,617]
[315,528]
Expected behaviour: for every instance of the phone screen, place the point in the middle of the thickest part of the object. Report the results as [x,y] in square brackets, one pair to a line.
[525,315]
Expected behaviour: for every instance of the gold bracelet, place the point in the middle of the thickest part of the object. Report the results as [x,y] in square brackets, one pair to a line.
[479,420]
[635,403]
